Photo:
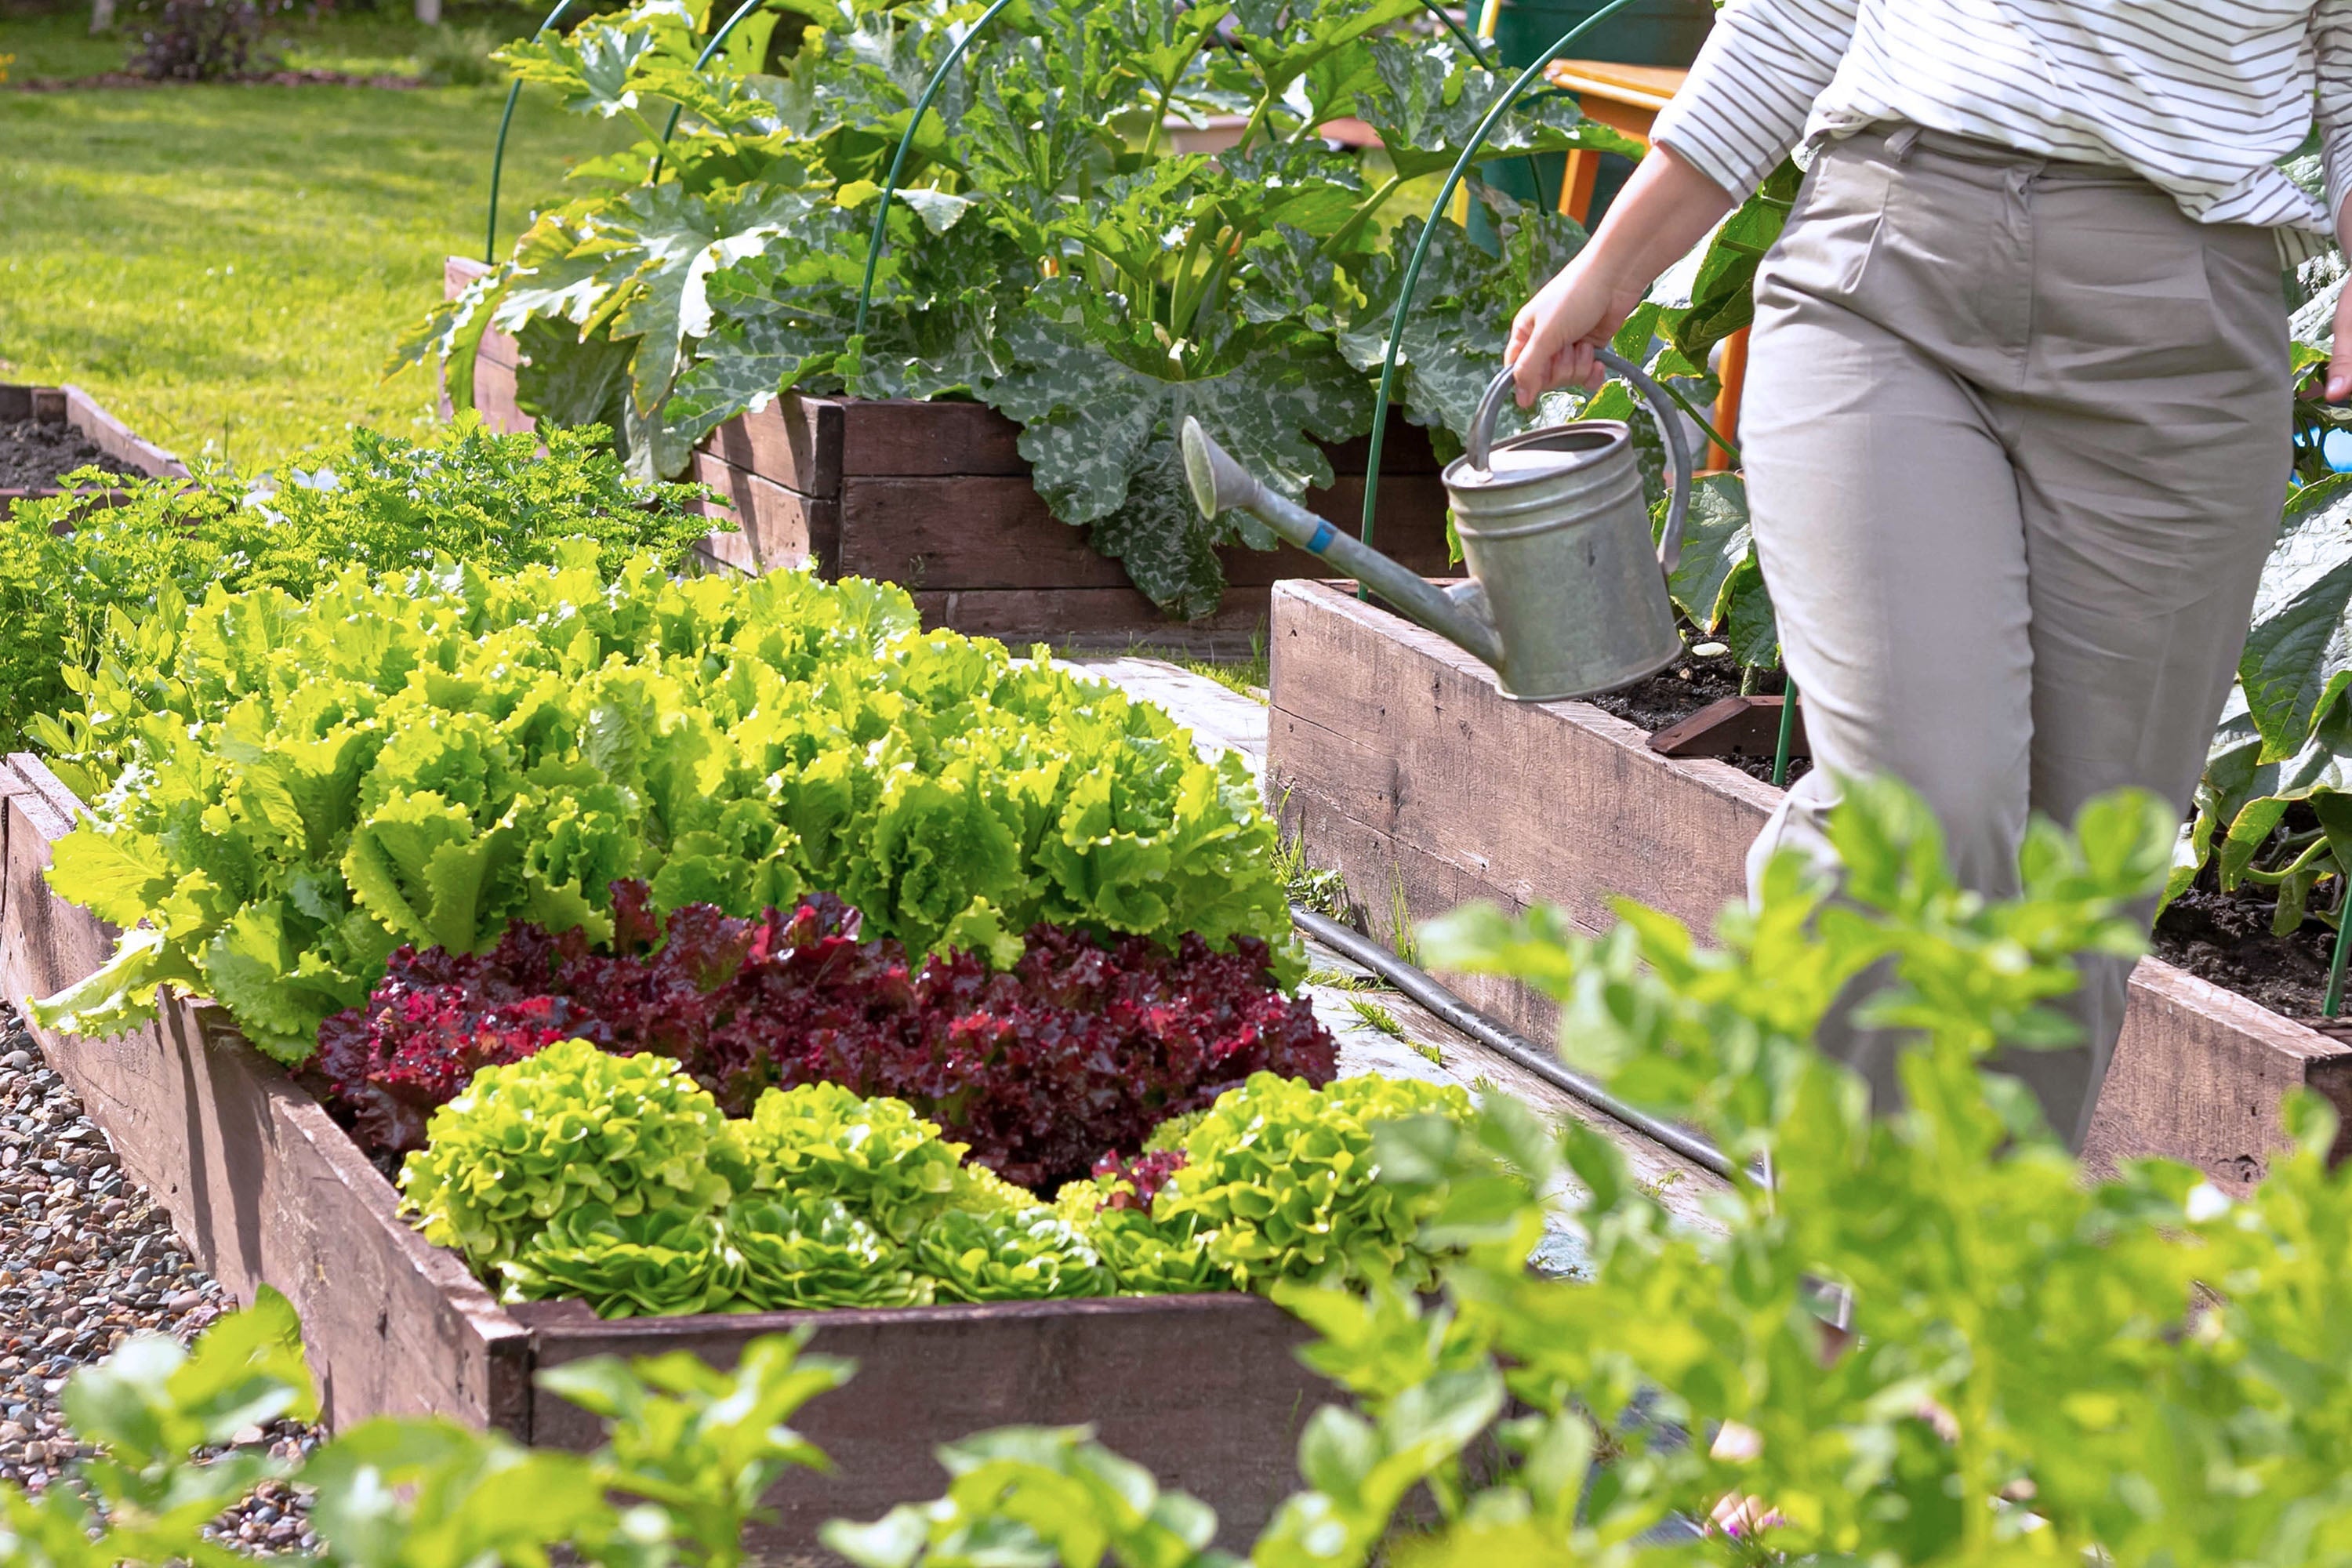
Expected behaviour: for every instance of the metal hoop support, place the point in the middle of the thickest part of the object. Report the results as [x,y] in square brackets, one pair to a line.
[898,161]
[1428,229]
[717,41]
[499,153]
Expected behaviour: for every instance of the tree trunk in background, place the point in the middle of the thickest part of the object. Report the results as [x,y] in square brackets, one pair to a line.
[102,17]
[429,12]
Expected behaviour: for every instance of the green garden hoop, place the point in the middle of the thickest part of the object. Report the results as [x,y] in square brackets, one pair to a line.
[717,41]
[1421,247]
[898,160]
[930,90]
[499,153]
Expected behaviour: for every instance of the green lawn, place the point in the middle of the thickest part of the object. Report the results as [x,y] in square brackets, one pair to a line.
[227,267]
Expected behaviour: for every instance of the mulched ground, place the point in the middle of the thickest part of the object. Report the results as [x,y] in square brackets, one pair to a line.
[35,454]
[1685,688]
[86,1260]
[2226,938]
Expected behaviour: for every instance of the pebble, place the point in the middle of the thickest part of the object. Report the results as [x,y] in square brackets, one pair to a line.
[86,1260]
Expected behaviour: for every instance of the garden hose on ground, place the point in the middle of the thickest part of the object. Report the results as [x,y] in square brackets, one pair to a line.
[1458,1015]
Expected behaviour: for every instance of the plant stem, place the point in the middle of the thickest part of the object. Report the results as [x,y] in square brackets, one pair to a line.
[2301,861]
[1340,237]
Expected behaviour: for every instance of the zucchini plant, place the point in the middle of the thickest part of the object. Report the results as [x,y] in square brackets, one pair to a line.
[1048,251]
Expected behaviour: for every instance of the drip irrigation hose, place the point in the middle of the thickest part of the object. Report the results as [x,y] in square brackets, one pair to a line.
[498,153]
[717,41]
[1458,1015]
[1788,729]
[1429,229]
[2334,1002]
[898,161]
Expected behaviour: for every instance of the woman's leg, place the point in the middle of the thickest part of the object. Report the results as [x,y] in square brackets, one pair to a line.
[1887,520]
[2151,439]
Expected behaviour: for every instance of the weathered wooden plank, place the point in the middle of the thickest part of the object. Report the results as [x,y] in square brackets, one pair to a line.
[259,1181]
[976,532]
[113,437]
[900,438]
[1401,764]
[1404,731]
[796,442]
[2199,1074]
[779,528]
[494,399]
[1203,1391]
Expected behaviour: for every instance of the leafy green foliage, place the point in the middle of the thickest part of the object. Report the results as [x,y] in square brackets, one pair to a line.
[820,1141]
[579,1140]
[1021,1255]
[690,1450]
[284,792]
[1048,252]
[67,569]
[2041,1367]
[804,1251]
[656,1262]
[1050,1494]
[1281,1181]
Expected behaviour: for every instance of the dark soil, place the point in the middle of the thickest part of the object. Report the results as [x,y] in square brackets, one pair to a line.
[1682,689]
[2226,938]
[34,454]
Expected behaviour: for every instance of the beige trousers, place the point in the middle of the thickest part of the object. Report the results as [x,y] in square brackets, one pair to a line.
[2016,441]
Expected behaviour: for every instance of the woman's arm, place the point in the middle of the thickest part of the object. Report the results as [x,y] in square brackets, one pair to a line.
[2331,40]
[1743,106]
[1664,209]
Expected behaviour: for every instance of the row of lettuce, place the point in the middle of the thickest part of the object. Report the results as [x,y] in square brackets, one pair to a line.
[699,941]
[2039,1365]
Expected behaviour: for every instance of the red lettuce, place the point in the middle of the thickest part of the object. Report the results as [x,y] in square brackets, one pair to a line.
[1079,1051]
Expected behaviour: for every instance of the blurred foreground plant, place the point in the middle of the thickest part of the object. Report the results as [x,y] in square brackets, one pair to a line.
[2039,1368]
[690,1450]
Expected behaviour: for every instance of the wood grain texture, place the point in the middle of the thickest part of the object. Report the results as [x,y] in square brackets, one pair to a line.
[1399,763]
[259,1181]
[1203,1391]
[113,437]
[778,528]
[981,533]
[794,442]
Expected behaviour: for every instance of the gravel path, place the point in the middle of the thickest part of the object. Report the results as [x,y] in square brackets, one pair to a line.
[86,1260]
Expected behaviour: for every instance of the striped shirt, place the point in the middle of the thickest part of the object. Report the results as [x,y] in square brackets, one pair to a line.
[2201,98]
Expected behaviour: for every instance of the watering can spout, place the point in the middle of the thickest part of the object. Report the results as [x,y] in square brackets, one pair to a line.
[1459,615]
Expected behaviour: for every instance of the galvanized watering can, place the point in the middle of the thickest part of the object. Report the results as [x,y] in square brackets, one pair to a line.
[1565,597]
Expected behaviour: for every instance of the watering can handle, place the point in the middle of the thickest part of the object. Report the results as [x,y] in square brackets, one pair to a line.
[1670,430]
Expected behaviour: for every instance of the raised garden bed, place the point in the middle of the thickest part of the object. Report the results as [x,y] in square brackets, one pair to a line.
[1369,764]
[936,496]
[266,1188]
[47,432]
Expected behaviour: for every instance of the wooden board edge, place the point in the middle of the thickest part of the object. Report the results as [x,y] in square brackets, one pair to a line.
[116,439]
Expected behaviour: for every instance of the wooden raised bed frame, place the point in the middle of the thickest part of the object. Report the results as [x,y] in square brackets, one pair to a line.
[936,496]
[263,1185]
[1399,763]
[72,406]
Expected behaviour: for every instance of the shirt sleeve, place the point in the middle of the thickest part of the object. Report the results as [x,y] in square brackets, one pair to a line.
[2331,40]
[1752,87]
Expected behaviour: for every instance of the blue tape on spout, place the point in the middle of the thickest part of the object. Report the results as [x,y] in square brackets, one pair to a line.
[1322,540]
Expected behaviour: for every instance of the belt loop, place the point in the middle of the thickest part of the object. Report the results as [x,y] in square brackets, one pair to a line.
[1904,137]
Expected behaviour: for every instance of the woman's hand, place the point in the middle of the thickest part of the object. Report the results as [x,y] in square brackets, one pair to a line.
[1555,334]
[1666,208]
